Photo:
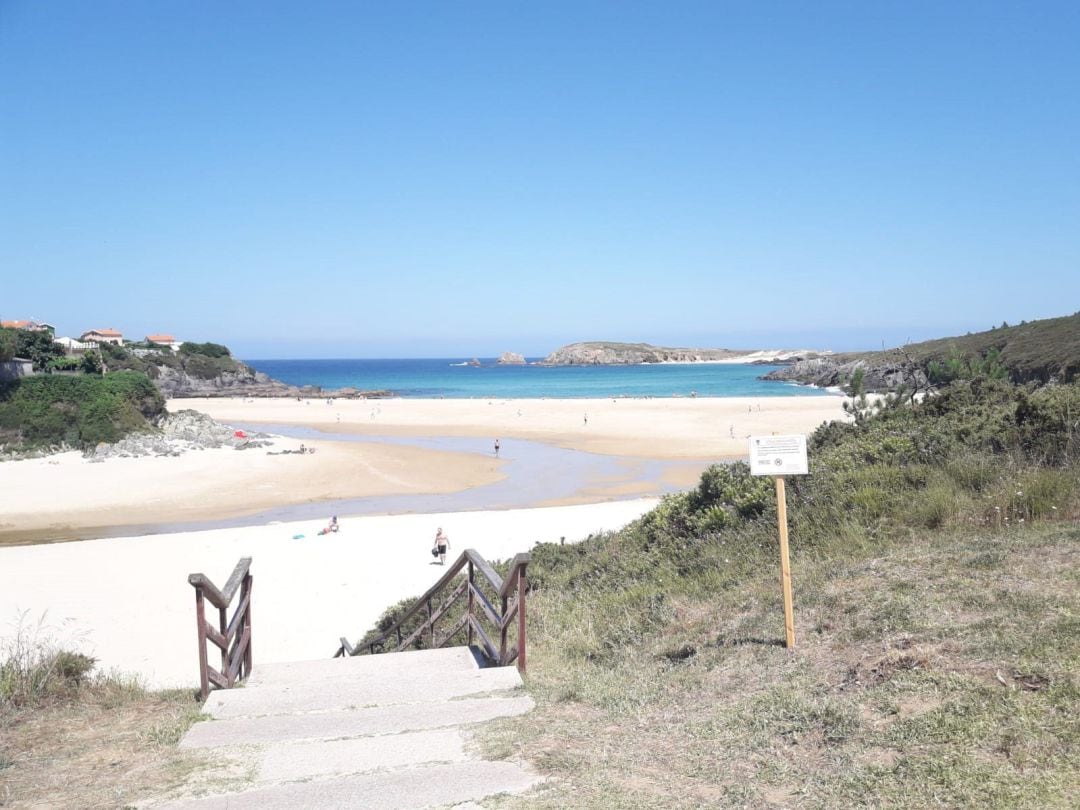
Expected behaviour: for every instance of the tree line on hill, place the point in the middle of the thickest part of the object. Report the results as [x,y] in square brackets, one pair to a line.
[100,396]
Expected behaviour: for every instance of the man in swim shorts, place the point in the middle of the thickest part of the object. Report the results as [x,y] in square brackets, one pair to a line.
[442,542]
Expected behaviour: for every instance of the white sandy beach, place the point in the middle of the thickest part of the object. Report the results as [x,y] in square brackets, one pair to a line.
[68,496]
[691,428]
[67,492]
[127,601]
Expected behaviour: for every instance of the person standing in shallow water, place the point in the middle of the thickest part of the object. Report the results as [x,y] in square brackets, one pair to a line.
[442,543]
[496,448]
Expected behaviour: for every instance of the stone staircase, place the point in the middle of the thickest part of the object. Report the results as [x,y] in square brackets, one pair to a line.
[378,732]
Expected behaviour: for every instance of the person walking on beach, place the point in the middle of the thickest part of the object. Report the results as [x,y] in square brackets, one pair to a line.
[496,448]
[442,543]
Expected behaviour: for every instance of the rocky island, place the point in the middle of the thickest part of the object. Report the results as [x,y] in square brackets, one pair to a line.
[510,359]
[606,353]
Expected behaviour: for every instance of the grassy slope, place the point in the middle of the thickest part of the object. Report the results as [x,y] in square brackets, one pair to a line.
[940,669]
[935,565]
[1034,351]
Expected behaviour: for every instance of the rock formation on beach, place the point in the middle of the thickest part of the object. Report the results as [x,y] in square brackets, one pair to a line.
[510,359]
[177,433]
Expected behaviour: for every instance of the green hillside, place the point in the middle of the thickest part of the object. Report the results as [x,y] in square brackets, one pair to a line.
[1038,351]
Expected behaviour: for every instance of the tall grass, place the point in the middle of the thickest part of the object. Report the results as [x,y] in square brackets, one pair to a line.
[35,669]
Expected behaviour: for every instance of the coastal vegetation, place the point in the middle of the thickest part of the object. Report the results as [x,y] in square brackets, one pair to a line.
[1039,352]
[38,347]
[101,396]
[934,558]
[76,411]
[72,736]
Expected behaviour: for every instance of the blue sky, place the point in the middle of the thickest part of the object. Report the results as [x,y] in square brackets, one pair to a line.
[441,179]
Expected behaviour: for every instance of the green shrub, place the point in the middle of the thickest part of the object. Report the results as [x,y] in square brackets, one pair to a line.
[215,350]
[81,410]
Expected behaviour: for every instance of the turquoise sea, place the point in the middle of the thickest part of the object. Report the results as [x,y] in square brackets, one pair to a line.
[454,378]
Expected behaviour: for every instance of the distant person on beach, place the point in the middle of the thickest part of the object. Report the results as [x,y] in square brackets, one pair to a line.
[442,542]
[586,420]
[496,448]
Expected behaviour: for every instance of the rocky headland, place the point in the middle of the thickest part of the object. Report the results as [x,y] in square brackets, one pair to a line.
[1039,352]
[510,359]
[828,372]
[242,381]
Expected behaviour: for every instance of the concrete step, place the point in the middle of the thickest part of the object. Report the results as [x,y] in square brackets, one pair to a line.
[292,762]
[406,789]
[376,689]
[352,722]
[447,659]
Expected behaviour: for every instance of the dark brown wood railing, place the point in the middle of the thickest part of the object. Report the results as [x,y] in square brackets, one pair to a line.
[232,636]
[479,610]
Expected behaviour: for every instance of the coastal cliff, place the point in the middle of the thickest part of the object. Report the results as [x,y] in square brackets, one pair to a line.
[1045,351]
[210,370]
[605,353]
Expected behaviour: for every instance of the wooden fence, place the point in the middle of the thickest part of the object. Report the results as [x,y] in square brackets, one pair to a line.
[478,612]
[232,636]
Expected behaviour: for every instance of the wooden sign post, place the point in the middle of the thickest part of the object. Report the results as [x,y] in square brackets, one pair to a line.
[778,456]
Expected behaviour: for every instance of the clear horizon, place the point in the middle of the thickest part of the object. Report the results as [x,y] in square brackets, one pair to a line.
[440,181]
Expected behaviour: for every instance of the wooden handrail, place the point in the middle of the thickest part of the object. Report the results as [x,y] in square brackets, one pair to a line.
[232,636]
[221,599]
[510,595]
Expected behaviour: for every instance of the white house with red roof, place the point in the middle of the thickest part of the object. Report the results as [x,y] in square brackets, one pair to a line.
[109,335]
[164,340]
[29,326]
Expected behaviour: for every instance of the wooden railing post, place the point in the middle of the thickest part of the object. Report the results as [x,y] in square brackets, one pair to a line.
[245,591]
[503,601]
[431,626]
[521,585]
[468,624]
[223,626]
[200,620]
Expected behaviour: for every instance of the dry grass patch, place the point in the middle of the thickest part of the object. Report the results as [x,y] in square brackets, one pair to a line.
[106,745]
[941,670]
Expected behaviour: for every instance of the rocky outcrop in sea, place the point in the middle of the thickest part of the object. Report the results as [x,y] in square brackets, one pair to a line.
[510,359]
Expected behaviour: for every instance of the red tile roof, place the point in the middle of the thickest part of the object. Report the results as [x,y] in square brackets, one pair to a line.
[160,339]
[104,332]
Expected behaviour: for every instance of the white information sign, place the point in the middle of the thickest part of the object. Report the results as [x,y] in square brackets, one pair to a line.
[778,455]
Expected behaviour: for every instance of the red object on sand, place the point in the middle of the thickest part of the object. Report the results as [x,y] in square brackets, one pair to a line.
[240,434]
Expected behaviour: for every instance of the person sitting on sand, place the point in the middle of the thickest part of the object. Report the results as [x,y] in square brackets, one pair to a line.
[442,543]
